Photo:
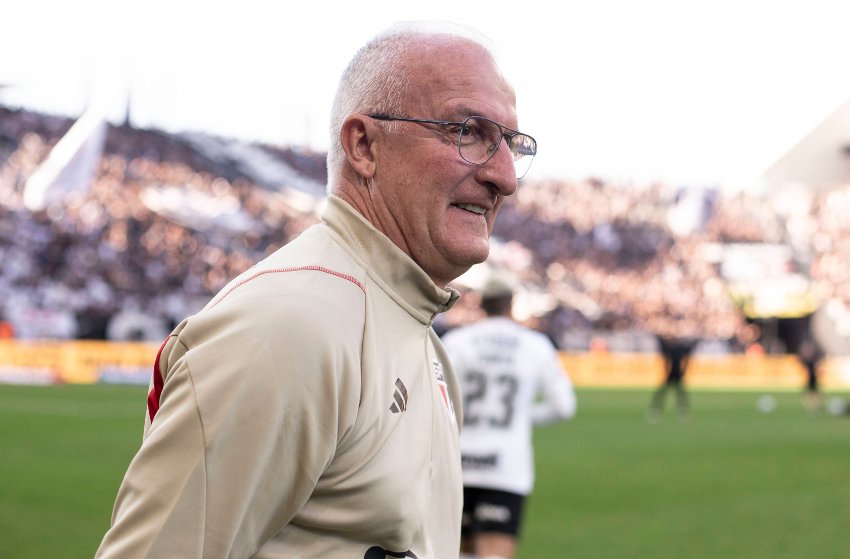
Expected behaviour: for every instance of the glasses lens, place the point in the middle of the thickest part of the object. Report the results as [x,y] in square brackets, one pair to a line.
[522,165]
[523,148]
[479,139]
[522,145]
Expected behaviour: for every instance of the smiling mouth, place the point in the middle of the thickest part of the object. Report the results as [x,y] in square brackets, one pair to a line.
[480,210]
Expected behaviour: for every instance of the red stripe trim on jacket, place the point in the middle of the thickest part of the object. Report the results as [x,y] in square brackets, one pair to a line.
[156,391]
[347,277]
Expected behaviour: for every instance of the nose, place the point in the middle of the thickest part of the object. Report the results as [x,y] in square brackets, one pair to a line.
[499,171]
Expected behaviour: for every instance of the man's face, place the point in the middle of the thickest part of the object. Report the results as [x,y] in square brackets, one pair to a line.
[439,208]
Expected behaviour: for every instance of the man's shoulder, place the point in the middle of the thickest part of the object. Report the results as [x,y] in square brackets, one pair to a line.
[307,286]
[311,266]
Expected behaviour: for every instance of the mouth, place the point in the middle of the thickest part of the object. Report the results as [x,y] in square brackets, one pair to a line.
[473,208]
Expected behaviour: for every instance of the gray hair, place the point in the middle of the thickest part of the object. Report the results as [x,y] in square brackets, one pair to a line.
[376,80]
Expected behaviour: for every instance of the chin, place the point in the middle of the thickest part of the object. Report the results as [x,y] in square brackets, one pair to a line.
[472,255]
[464,251]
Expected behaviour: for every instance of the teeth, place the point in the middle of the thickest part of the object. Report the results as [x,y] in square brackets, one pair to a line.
[472,208]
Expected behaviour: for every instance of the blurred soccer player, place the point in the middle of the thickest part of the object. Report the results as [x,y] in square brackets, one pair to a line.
[511,379]
[309,410]
[676,353]
[811,356]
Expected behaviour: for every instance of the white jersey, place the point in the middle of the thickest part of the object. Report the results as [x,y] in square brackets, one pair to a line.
[511,379]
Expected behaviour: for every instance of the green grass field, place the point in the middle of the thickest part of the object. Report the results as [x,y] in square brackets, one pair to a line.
[731,482]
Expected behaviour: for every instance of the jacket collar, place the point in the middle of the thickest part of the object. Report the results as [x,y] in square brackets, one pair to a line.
[386,264]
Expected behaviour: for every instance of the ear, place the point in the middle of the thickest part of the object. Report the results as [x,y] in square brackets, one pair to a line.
[358,135]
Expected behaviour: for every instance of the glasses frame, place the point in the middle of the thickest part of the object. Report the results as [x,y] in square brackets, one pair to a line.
[504,132]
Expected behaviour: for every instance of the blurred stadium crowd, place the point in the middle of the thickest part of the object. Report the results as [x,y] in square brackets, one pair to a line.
[170,219]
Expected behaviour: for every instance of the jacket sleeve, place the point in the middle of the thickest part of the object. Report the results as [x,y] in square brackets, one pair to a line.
[251,412]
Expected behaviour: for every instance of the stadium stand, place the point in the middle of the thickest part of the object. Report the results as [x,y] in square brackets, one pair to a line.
[170,218]
[127,244]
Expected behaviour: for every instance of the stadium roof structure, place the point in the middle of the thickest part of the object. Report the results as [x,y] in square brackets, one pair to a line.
[821,160]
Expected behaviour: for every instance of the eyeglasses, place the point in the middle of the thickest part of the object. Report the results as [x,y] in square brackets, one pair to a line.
[478,139]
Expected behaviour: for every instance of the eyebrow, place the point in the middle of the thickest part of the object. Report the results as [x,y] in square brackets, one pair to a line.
[465,111]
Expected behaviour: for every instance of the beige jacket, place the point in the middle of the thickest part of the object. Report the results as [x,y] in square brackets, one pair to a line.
[308,411]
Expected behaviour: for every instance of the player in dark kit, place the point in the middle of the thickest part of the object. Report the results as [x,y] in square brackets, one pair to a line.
[676,353]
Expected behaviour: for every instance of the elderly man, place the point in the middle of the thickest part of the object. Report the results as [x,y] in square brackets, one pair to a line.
[309,410]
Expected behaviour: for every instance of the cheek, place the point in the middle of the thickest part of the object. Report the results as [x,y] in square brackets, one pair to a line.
[424,191]
[416,211]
